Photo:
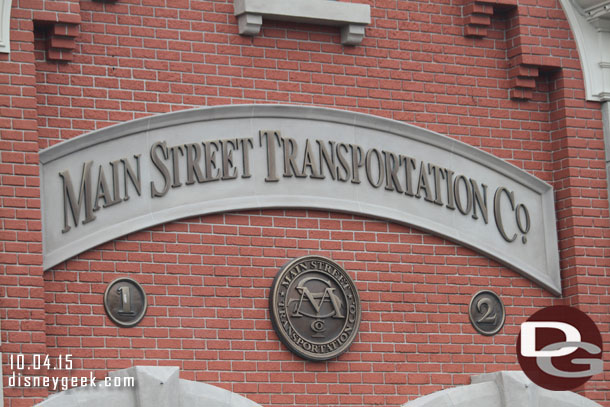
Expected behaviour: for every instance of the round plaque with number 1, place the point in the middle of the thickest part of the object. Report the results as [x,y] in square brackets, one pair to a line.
[125,302]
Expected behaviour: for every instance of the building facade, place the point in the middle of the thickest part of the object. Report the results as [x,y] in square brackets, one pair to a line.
[507,98]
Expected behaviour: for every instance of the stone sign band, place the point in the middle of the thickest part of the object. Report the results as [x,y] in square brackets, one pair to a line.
[315,308]
[135,175]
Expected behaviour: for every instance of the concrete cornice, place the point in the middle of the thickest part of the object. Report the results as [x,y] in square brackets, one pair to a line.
[351,17]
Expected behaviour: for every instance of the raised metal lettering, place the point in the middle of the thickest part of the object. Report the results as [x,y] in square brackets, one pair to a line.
[357,162]
[498,211]
[437,173]
[84,196]
[328,158]
[246,145]
[521,208]
[212,172]
[269,137]
[134,176]
[369,169]
[392,165]
[290,148]
[193,170]
[228,169]
[102,190]
[161,167]
[115,181]
[410,164]
[342,147]
[450,199]
[175,161]
[423,183]
[458,198]
[309,162]
[479,199]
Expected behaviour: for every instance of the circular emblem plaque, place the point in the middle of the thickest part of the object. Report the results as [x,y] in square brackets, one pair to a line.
[315,308]
[486,312]
[125,302]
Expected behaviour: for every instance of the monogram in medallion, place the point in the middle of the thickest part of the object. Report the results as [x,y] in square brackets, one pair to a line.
[315,308]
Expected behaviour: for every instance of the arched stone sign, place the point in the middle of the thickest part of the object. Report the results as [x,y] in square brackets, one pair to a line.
[131,176]
[502,389]
[153,386]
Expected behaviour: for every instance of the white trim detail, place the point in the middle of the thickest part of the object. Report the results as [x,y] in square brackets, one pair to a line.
[5,26]
[502,389]
[590,23]
[351,17]
[154,386]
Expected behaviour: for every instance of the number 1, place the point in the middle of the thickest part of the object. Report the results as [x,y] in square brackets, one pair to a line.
[125,294]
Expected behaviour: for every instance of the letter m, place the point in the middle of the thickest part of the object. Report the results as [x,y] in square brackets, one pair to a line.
[84,197]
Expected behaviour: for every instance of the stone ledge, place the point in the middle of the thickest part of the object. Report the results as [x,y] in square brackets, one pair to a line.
[351,17]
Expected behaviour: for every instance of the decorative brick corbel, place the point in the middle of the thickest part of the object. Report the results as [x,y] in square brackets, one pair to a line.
[62,41]
[524,66]
[525,70]
[478,13]
[62,21]
[523,81]
[477,16]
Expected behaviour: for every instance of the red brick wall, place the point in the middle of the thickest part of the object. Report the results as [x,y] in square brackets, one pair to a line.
[208,281]
[512,87]
[22,305]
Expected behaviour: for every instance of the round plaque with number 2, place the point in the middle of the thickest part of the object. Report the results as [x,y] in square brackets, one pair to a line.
[486,312]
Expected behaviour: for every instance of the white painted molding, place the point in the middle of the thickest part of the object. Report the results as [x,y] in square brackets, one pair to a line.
[5,26]
[351,17]
[590,23]
[593,8]
[501,389]
[155,386]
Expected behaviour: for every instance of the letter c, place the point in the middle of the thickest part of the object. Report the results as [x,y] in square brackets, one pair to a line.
[498,211]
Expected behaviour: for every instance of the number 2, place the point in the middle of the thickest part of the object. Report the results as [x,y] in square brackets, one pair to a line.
[489,316]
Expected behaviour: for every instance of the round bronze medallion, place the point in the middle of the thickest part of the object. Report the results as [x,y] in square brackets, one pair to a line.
[125,302]
[486,312]
[315,308]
